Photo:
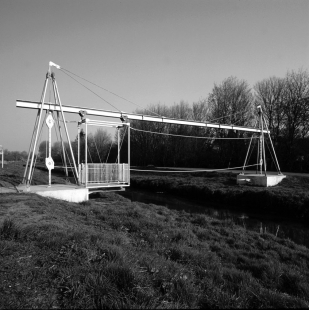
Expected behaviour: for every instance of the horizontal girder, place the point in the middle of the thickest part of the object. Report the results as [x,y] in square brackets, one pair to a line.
[90,111]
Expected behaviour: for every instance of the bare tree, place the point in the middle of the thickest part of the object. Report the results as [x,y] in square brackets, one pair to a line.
[296,104]
[231,102]
[270,94]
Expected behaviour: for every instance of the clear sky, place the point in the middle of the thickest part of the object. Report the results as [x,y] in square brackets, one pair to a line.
[147,51]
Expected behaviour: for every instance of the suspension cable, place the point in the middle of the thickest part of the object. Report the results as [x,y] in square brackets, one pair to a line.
[73,172]
[202,170]
[184,136]
[66,71]
[215,119]
[97,149]
[109,151]
[91,91]
[89,151]
[63,69]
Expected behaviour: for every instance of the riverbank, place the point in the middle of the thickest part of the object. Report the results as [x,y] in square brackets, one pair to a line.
[290,198]
[110,252]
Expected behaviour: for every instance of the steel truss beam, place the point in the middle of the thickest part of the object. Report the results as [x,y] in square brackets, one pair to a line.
[132,116]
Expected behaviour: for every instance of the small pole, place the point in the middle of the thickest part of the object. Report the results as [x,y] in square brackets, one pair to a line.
[86,147]
[1,152]
[261,148]
[49,161]
[263,142]
[49,154]
[129,151]
[118,131]
[78,150]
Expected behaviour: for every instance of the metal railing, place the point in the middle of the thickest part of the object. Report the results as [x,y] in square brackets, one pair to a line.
[104,174]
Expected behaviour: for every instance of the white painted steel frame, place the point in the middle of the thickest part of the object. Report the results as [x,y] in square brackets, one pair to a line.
[106,113]
[88,122]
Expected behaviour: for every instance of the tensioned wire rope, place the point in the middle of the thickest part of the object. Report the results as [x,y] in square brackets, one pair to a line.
[195,137]
[66,71]
[201,170]
[91,91]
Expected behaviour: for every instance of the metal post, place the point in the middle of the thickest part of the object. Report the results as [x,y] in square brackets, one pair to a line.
[1,152]
[65,126]
[50,123]
[86,147]
[258,156]
[129,151]
[118,131]
[38,126]
[63,149]
[30,147]
[263,146]
[78,151]
[272,146]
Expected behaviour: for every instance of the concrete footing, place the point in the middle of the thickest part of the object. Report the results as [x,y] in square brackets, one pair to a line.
[71,193]
[260,179]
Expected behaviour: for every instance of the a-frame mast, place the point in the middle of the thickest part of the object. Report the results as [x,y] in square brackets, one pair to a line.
[28,173]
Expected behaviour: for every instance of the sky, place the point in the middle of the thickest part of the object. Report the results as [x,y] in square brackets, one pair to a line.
[147,51]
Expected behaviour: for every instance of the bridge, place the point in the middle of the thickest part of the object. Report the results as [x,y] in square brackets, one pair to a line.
[92,176]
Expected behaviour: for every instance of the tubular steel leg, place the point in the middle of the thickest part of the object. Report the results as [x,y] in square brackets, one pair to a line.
[263,146]
[65,126]
[60,133]
[37,131]
[62,144]
[30,147]
[243,169]
[129,151]
[78,152]
[36,156]
[272,146]
[118,137]
[86,147]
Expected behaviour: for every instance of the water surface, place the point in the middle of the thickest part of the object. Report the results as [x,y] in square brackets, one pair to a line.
[296,231]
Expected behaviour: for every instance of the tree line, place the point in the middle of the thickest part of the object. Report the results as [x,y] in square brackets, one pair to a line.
[285,103]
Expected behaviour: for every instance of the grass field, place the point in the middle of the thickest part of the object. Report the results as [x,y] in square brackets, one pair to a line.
[113,253]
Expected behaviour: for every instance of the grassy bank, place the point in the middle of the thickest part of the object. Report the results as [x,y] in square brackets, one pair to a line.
[113,253]
[290,198]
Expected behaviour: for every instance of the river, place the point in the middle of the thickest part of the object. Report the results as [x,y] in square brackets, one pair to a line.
[284,228]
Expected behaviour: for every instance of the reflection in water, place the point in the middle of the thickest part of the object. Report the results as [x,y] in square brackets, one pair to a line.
[295,231]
